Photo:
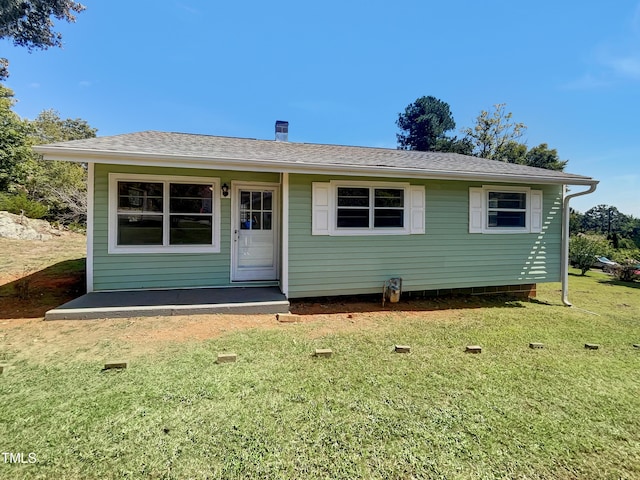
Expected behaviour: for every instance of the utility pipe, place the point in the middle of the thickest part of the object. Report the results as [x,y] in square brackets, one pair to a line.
[564,267]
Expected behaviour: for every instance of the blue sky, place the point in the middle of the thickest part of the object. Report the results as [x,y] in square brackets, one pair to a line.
[341,71]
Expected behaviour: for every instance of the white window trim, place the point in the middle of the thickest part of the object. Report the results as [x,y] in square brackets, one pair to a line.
[114,248]
[325,210]
[480,208]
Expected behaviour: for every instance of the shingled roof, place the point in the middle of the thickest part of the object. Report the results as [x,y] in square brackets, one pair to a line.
[206,151]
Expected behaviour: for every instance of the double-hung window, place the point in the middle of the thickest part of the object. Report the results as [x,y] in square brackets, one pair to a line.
[370,207]
[367,208]
[152,214]
[506,209]
[498,209]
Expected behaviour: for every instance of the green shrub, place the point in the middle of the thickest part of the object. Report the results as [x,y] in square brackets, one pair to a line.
[625,271]
[623,255]
[584,248]
[21,205]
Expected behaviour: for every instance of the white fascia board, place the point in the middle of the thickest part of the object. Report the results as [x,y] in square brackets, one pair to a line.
[267,165]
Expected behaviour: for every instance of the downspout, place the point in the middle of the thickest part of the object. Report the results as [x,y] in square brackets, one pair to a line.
[564,266]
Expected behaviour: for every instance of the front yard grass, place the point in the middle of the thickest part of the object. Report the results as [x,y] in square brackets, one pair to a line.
[562,412]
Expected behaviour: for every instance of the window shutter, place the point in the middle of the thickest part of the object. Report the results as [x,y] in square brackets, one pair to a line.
[320,208]
[476,209]
[536,211]
[416,211]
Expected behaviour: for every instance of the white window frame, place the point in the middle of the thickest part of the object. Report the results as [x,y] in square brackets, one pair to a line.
[479,210]
[114,248]
[325,208]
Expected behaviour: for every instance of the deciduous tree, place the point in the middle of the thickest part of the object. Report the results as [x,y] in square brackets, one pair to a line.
[544,157]
[28,23]
[60,185]
[494,132]
[15,152]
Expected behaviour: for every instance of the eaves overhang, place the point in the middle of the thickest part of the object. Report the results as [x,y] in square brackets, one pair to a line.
[306,167]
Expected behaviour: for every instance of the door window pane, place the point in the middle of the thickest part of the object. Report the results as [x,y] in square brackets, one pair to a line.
[256,200]
[267,200]
[266,220]
[245,200]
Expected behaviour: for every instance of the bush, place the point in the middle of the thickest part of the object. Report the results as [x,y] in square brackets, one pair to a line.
[622,255]
[21,205]
[625,271]
[584,248]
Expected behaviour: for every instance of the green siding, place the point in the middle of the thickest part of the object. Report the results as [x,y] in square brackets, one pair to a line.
[447,256]
[170,270]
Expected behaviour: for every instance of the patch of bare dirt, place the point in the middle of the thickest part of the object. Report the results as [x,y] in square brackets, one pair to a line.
[36,276]
[61,340]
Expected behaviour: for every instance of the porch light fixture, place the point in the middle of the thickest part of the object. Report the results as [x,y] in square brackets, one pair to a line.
[225,190]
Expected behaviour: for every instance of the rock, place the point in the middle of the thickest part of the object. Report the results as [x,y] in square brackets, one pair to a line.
[23,228]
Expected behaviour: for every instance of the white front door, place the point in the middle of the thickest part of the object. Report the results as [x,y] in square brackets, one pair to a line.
[254,227]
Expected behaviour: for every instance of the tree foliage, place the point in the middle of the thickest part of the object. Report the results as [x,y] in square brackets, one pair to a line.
[603,219]
[544,157]
[15,152]
[28,23]
[423,124]
[622,231]
[59,186]
[497,137]
[494,133]
[583,250]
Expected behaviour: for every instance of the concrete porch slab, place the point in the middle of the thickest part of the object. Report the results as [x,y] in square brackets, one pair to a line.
[153,303]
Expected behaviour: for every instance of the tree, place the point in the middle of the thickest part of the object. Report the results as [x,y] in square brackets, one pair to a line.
[494,133]
[544,157]
[462,146]
[60,185]
[623,231]
[28,23]
[513,152]
[583,249]
[424,123]
[15,153]
[48,127]
[601,219]
[575,221]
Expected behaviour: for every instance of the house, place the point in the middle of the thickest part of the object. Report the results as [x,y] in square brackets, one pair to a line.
[173,210]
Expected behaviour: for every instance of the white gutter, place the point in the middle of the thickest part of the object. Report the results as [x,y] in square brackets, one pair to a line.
[564,266]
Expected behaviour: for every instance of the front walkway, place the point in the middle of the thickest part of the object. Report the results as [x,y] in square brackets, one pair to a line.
[153,303]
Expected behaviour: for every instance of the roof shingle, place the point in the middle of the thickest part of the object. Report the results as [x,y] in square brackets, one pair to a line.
[182,146]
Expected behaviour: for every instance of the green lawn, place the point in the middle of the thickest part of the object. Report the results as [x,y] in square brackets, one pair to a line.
[563,412]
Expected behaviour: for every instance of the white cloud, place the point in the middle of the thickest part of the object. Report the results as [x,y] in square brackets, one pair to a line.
[626,67]
[188,8]
[587,82]
[34,85]
[614,60]
[84,83]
